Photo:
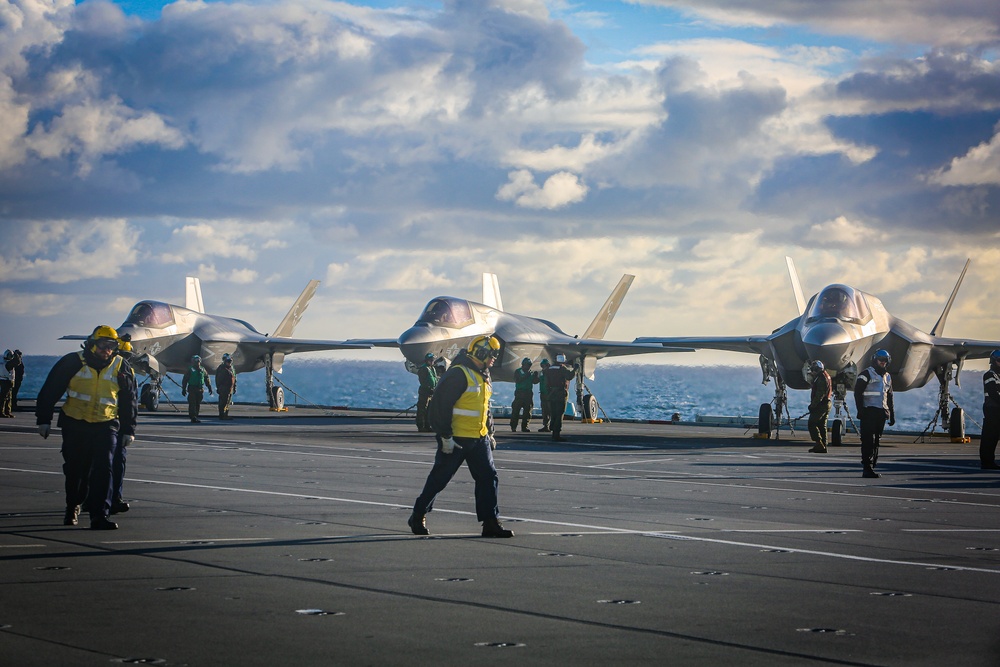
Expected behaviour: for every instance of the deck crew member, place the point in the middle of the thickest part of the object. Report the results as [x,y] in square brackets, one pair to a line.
[520,408]
[193,386]
[427,374]
[819,406]
[873,400]
[991,415]
[225,384]
[557,379]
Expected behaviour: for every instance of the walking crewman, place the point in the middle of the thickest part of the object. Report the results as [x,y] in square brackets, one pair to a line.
[523,399]
[991,415]
[100,406]
[428,377]
[225,384]
[557,379]
[873,400]
[819,406]
[461,417]
[543,397]
[18,377]
[7,384]
[193,386]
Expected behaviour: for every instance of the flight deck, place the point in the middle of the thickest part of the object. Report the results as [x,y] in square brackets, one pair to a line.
[281,539]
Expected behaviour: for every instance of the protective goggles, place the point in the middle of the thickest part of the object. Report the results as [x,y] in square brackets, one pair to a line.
[106,344]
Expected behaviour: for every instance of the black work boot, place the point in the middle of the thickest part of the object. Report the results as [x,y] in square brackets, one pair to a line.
[493,528]
[72,515]
[119,506]
[103,523]
[418,524]
[869,472]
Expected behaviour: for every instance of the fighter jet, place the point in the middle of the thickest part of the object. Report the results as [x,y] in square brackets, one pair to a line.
[842,327]
[448,324]
[164,337]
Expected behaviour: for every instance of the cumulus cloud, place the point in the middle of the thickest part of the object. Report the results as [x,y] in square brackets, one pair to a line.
[980,166]
[560,189]
[842,233]
[64,251]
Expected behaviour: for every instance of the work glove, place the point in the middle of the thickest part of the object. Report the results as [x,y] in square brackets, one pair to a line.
[892,420]
[448,445]
[492,441]
[43,430]
[184,392]
[127,440]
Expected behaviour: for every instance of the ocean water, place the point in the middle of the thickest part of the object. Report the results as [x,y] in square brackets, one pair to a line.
[624,391]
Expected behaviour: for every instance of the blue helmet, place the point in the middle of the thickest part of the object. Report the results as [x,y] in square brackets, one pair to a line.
[817,366]
[994,357]
[882,355]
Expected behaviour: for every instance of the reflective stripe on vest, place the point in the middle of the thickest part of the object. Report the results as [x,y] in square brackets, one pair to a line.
[876,393]
[92,396]
[468,416]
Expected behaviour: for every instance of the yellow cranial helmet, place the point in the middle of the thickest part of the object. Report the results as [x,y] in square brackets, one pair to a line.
[103,333]
[484,347]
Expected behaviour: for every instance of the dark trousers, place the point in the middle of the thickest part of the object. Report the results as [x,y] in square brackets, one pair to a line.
[988,440]
[819,415]
[521,409]
[423,403]
[477,454]
[872,425]
[225,402]
[546,412]
[88,452]
[6,396]
[195,397]
[118,468]
[557,408]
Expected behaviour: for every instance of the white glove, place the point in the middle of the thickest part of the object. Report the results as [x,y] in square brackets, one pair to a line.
[448,445]
[128,440]
[492,440]
[43,430]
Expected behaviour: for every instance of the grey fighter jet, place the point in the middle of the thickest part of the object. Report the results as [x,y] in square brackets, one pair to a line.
[164,337]
[448,324]
[842,327]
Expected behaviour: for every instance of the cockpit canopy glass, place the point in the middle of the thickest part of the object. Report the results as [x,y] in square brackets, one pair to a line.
[447,312]
[150,314]
[840,302]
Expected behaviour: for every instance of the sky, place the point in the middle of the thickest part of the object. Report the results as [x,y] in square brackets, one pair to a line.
[397,150]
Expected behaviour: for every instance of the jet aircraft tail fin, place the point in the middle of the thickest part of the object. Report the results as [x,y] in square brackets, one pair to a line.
[287,326]
[600,325]
[491,291]
[938,329]
[800,300]
[192,295]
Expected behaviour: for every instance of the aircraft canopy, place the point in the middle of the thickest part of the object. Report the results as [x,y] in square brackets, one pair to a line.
[447,311]
[150,314]
[840,302]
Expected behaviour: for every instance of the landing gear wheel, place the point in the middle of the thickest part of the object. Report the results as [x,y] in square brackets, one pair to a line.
[837,433]
[765,418]
[589,407]
[277,398]
[150,398]
[956,427]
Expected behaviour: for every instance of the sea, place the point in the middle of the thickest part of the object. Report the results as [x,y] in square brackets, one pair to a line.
[625,391]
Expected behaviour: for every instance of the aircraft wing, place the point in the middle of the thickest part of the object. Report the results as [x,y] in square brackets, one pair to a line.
[749,344]
[74,337]
[967,349]
[374,342]
[293,345]
[598,349]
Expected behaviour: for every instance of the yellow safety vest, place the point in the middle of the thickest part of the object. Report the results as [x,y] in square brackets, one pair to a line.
[468,416]
[92,396]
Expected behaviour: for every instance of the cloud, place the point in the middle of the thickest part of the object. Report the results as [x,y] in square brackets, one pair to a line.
[65,252]
[843,233]
[560,189]
[980,166]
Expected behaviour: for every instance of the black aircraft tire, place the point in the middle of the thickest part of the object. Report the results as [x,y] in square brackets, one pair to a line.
[765,418]
[589,407]
[837,433]
[149,398]
[956,427]
[277,398]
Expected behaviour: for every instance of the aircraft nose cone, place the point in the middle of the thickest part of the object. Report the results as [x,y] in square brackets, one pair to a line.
[829,343]
[414,342]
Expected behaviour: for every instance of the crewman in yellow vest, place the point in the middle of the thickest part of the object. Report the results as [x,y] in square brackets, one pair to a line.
[101,402]
[460,416]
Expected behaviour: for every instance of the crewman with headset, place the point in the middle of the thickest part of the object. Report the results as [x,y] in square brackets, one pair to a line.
[460,415]
[819,405]
[225,384]
[991,414]
[873,400]
[101,403]
[520,408]
[193,386]
[428,377]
